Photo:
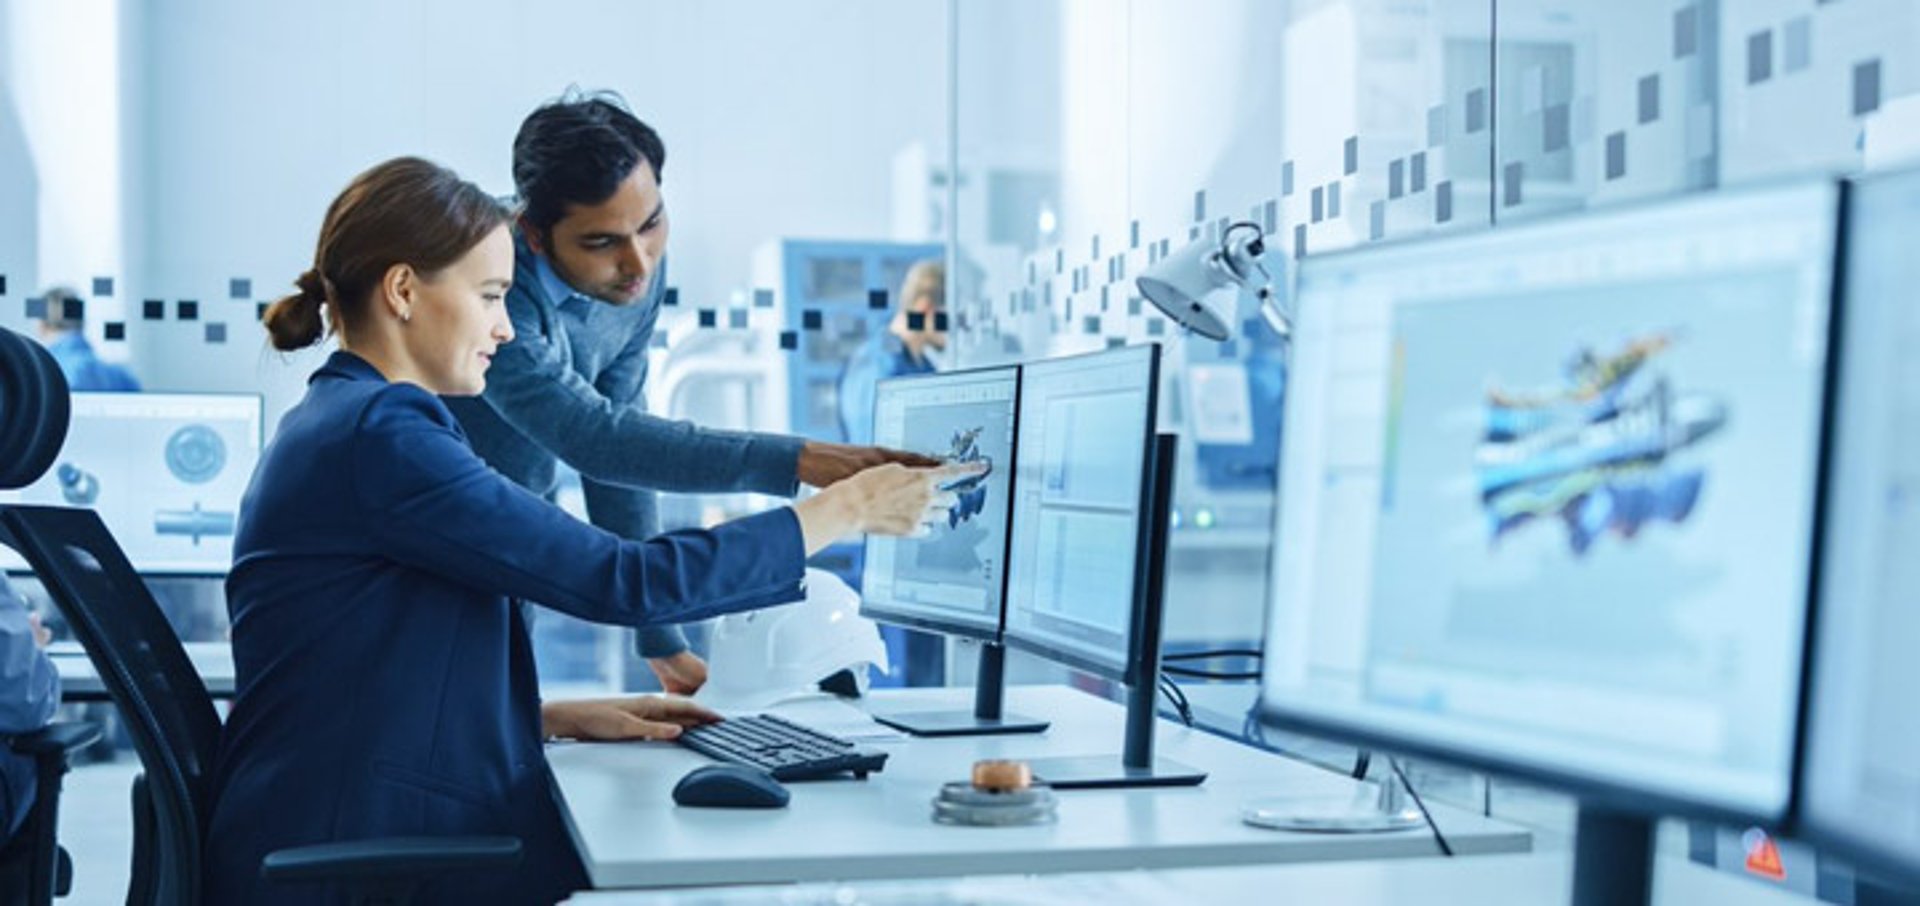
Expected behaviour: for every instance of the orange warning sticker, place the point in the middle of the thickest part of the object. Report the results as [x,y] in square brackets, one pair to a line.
[1763,855]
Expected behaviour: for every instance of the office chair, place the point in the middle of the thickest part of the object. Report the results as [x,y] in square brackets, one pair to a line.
[165,706]
[34,868]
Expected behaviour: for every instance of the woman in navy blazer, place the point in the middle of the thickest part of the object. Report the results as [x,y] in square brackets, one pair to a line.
[386,680]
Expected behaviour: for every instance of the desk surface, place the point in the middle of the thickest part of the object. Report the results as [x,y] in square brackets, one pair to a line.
[1397,882]
[80,682]
[630,834]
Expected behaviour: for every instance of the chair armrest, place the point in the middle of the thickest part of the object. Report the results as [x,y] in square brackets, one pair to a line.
[58,738]
[389,857]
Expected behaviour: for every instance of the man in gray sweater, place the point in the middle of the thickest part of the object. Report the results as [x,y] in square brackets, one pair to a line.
[589,278]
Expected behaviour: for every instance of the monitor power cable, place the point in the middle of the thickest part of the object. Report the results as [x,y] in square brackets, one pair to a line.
[1177,698]
[1175,669]
[1438,837]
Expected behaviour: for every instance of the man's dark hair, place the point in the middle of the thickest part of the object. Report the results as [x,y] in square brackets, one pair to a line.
[575,151]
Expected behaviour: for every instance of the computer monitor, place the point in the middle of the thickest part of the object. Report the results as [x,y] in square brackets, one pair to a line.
[1092,494]
[1080,489]
[952,581]
[1860,768]
[164,470]
[1547,497]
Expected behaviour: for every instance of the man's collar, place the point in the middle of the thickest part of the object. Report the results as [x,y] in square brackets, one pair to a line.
[558,291]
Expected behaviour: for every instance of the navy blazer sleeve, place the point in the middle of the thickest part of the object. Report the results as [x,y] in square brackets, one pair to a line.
[435,505]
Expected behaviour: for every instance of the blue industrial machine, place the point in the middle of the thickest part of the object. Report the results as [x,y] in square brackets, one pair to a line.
[836,295]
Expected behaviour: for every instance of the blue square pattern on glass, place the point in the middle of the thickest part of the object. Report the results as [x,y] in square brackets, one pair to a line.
[1759,56]
[1616,155]
[1686,32]
[1556,128]
[1866,87]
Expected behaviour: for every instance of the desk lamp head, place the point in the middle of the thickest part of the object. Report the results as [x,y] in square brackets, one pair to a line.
[1199,285]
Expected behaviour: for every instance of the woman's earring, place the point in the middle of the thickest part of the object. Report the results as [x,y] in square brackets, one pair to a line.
[406,317]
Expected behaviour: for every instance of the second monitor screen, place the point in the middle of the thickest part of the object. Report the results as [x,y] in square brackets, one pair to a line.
[1085,426]
[165,472]
[950,580]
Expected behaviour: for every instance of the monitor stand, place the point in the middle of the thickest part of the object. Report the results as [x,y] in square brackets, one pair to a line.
[1136,765]
[986,718]
[1612,858]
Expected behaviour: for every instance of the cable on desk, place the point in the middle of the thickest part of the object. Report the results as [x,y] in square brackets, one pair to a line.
[1191,673]
[1211,655]
[1179,699]
[1438,837]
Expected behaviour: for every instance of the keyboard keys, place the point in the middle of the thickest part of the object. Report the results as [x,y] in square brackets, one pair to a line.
[787,750]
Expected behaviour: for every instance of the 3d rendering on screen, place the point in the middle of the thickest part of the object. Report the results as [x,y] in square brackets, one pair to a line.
[1604,451]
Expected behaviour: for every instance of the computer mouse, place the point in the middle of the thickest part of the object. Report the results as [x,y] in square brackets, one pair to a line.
[729,786]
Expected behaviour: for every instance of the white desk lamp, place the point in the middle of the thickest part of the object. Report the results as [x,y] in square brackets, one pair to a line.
[1199,285]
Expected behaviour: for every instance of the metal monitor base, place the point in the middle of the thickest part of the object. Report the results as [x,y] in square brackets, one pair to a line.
[1111,772]
[959,723]
[985,719]
[1369,809]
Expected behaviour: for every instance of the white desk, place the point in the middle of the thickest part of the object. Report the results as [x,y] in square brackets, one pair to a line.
[1532,879]
[79,682]
[630,834]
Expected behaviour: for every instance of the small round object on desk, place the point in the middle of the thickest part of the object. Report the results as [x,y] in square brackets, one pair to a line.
[1001,776]
[964,803]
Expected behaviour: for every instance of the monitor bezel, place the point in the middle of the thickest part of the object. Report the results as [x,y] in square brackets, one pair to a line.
[1127,671]
[1838,838]
[260,445]
[886,614]
[1608,793]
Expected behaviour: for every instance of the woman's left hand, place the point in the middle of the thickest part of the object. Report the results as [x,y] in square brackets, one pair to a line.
[634,717]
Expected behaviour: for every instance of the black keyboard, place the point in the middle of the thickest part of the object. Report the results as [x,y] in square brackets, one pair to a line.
[787,750]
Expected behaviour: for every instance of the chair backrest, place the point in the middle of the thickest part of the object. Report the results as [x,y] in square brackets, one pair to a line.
[34,410]
[145,670]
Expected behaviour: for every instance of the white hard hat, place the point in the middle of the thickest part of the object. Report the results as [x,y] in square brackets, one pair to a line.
[762,656]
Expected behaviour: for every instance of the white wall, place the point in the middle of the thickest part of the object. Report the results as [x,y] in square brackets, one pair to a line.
[781,118]
[62,132]
[19,188]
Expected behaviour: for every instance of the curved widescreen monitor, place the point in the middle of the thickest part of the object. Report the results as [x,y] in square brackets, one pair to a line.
[1547,498]
[1081,483]
[953,579]
[1860,772]
[165,471]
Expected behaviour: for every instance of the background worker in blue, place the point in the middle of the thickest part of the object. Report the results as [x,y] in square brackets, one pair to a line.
[917,331]
[385,678]
[589,278]
[63,332]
